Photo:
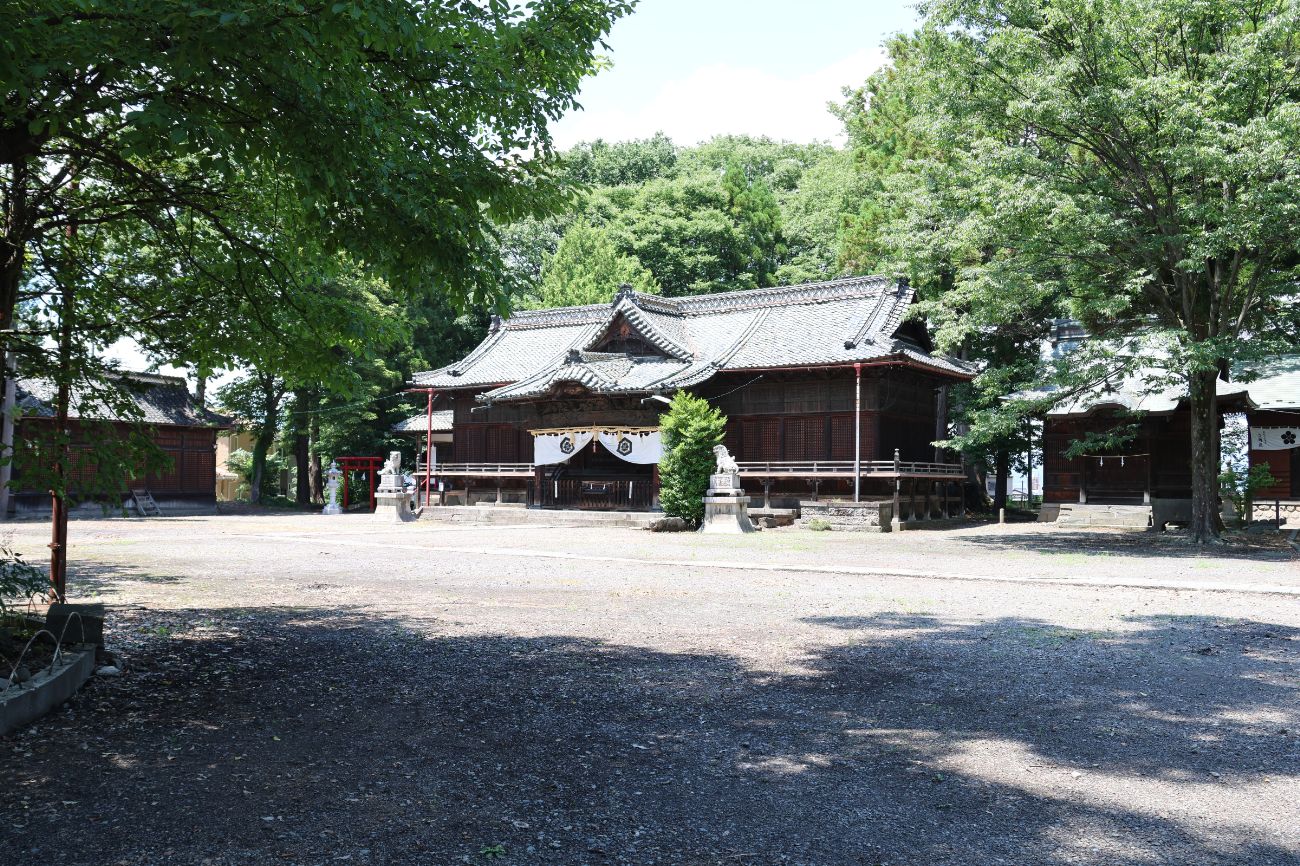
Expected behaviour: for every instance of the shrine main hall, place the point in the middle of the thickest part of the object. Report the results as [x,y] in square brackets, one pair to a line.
[829,389]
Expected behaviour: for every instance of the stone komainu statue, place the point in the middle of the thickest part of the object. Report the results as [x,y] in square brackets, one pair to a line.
[726,463]
[394,464]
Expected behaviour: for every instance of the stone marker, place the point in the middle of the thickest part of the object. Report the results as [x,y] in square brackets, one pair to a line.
[394,496]
[76,623]
[726,504]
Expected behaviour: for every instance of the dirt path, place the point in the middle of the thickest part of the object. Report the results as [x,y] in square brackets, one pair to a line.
[293,698]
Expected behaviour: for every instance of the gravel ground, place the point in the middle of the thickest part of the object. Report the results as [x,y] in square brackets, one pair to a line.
[428,694]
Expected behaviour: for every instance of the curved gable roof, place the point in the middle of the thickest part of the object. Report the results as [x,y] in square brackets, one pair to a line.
[815,324]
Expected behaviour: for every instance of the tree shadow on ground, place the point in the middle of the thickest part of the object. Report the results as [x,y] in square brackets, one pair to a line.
[331,735]
[97,578]
[1137,544]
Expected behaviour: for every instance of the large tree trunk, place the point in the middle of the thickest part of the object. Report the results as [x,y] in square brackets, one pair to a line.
[13,247]
[262,446]
[12,250]
[317,481]
[1002,473]
[1206,521]
[302,447]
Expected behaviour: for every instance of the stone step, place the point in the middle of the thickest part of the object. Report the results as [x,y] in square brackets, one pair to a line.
[1105,516]
[488,515]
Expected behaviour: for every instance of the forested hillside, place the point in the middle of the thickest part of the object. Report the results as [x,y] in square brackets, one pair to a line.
[732,213]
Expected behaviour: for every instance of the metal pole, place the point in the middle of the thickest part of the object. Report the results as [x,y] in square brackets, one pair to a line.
[428,446]
[857,430]
[7,431]
[58,496]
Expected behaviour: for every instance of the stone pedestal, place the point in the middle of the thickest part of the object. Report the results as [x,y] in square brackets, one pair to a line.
[393,500]
[394,496]
[830,514]
[726,506]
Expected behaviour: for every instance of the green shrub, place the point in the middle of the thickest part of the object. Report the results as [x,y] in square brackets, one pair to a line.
[19,580]
[818,525]
[1240,488]
[691,428]
[240,462]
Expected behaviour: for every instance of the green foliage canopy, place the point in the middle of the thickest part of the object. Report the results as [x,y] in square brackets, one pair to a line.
[587,268]
[401,130]
[1130,164]
[709,218]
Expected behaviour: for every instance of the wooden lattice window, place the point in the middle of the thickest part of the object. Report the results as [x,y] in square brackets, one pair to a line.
[475,444]
[769,438]
[842,437]
[734,441]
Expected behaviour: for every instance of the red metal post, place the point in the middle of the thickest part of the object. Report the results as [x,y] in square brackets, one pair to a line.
[857,431]
[428,446]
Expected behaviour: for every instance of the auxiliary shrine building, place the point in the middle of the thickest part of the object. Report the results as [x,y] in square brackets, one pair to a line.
[826,388]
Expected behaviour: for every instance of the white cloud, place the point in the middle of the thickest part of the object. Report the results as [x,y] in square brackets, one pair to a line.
[725,99]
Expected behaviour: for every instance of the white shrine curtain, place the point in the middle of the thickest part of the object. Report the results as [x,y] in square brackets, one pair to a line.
[1274,438]
[549,448]
[636,446]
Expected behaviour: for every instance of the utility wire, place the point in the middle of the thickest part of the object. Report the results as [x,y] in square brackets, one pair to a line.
[345,406]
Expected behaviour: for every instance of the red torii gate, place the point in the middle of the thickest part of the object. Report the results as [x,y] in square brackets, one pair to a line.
[359,464]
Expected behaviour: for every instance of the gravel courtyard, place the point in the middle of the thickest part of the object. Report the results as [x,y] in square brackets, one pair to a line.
[310,690]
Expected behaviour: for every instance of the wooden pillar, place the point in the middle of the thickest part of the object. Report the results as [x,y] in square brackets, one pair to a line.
[940,419]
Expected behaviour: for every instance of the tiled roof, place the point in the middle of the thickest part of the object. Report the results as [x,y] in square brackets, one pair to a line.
[1137,394]
[816,324]
[1149,389]
[420,423]
[1278,385]
[159,399]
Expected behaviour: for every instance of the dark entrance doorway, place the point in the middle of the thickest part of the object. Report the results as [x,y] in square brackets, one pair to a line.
[1117,478]
[593,479]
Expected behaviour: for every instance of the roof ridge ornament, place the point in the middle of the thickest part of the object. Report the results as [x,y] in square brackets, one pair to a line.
[625,290]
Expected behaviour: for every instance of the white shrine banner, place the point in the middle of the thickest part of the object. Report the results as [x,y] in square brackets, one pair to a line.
[551,448]
[634,446]
[1274,438]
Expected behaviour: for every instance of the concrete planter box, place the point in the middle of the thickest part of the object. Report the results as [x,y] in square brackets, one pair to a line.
[848,516]
[25,703]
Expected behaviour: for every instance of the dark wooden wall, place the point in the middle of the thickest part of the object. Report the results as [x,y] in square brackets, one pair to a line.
[192,451]
[806,415]
[809,416]
[1157,459]
[1283,465]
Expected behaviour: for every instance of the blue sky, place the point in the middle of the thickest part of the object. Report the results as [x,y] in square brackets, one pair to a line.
[698,68]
